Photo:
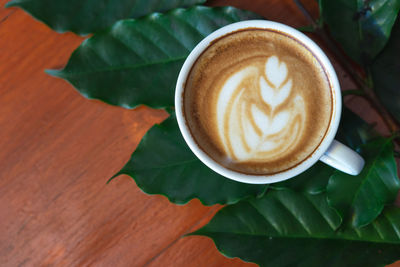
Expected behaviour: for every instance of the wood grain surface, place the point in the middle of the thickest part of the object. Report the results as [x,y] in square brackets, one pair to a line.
[58,149]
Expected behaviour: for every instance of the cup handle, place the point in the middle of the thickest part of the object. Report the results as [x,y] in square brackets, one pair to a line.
[343,158]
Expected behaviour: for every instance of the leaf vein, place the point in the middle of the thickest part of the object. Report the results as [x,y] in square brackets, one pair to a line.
[167,166]
[122,68]
[275,227]
[126,45]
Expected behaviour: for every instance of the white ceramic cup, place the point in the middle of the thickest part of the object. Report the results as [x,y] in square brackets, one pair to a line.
[329,151]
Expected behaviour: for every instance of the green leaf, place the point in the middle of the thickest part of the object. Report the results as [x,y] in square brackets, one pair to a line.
[163,164]
[385,73]
[313,181]
[361,27]
[285,228]
[88,16]
[354,131]
[362,198]
[137,61]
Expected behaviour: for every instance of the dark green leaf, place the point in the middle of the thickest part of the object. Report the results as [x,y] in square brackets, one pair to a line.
[362,197]
[163,164]
[386,73]
[312,181]
[87,16]
[285,228]
[361,27]
[354,131]
[137,61]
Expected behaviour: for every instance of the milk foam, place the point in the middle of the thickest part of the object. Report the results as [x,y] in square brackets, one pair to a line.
[251,136]
[257,101]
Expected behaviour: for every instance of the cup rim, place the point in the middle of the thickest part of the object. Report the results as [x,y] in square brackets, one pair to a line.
[250,178]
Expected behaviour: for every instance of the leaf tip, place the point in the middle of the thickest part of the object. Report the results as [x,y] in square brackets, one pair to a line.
[113,177]
[54,73]
[12,3]
[197,232]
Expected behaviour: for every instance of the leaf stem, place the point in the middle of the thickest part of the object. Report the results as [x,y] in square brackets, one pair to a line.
[386,117]
[306,13]
[357,92]
[363,82]
[308,28]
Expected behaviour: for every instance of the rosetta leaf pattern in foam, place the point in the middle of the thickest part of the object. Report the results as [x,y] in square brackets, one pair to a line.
[256,135]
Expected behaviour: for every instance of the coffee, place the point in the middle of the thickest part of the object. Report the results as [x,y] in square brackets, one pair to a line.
[257,101]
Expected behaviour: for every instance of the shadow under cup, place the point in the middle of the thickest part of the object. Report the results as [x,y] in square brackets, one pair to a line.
[258,102]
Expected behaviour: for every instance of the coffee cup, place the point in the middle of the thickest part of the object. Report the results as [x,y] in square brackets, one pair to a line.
[259,102]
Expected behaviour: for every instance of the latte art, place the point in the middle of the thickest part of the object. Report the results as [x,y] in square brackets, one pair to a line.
[255,130]
[257,101]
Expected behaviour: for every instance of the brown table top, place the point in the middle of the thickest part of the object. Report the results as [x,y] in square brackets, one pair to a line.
[58,149]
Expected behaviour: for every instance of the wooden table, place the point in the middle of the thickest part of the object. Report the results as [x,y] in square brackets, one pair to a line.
[58,149]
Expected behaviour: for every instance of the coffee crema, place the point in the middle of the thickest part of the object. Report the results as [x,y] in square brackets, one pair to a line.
[257,101]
